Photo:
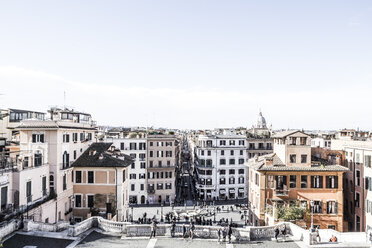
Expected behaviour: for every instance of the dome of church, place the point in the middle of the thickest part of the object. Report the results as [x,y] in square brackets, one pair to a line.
[261,122]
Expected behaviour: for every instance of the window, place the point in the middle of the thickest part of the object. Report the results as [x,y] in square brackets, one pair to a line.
[168,186]
[357,200]
[292,181]
[318,207]
[142,186]
[133,166]
[64,182]
[151,164]
[38,159]
[316,182]
[222,142]
[222,153]
[241,142]
[303,182]
[37,138]
[151,143]
[65,160]
[82,136]
[78,177]
[303,141]
[90,176]
[232,180]
[159,186]
[124,176]
[358,223]
[142,146]
[28,191]
[332,182]
[75,137]
[367,161]
[304,159]
[331,207]
[66,138]
[78,201]
[43,185]
[231,161]
[143,165]
[132,146]
[222,172]
[292,158]
[231,172]
[357,178]
[281,182]
[232,152]
[209,153]
[75,154]
[241,171]
[132,176]
[222,180]
[209,162]
[293,140]
[201,153]
[132,187]
[241,180]
[241,160]
[222,161]
[168,154]
[90,199]
[142,176]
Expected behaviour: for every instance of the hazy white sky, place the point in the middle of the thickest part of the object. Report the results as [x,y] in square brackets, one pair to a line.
[191,64]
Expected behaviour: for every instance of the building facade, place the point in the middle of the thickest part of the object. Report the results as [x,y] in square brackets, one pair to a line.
[162,160]
[219,162]
[288,178]
[47,150]
[100,183]
[135,146]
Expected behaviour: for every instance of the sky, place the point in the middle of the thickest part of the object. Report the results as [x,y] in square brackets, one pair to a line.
[191,64]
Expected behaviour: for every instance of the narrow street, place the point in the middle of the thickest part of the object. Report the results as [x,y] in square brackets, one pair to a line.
[185,187]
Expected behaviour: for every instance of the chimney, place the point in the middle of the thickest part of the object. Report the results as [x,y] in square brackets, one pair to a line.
[269,161]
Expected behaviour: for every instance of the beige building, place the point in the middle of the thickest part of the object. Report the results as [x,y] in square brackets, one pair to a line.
[288,178]
[100,183]
[162,159]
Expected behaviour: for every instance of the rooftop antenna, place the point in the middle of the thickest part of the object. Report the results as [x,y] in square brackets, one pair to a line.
[64,99]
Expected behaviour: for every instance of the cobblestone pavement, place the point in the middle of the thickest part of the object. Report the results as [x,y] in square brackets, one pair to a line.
[21,241]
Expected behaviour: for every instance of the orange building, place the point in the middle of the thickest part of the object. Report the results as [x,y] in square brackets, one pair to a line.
[288,177]
[100,183]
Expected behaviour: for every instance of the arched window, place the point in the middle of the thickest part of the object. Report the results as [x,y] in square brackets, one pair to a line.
[232,180]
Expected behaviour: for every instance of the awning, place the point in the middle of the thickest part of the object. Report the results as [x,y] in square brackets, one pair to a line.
[241,190]
[232,190]
[222,191]
[209,193]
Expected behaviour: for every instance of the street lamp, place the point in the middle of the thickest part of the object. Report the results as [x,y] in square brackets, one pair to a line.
[161,217]
[312,214]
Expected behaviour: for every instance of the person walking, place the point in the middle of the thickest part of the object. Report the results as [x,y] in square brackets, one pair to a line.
[153,229]
[173,228]
[191,230]
[276,233]
[317,234]
[229,232]
[183,231]
[219,233]
[224,232]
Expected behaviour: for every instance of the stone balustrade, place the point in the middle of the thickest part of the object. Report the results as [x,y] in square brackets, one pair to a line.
[30,225]
[9,228]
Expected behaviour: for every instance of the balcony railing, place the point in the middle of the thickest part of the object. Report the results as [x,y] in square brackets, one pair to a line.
[281,192]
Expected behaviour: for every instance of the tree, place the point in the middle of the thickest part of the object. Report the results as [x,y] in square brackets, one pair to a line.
[290,213]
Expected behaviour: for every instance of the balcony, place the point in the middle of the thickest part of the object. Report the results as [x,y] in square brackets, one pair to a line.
[281,192]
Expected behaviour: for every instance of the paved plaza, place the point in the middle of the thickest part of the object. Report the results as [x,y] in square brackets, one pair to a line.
[156,211]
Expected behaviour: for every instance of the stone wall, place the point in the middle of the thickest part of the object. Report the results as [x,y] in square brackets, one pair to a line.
[12,226]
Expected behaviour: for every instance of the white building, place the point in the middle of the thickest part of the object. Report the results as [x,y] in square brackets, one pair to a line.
[47,150]
[134,146]
[219,162]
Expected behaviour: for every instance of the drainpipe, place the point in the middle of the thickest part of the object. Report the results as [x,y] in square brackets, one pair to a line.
[116,195]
